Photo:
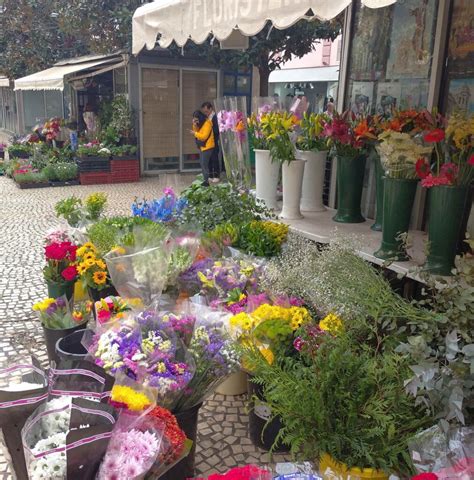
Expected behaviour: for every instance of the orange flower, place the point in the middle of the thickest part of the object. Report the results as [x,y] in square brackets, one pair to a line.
[362,130]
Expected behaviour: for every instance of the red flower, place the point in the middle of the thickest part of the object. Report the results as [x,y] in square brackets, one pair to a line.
[422,168]
[425,476]
[103,316]
[434,136]
[431,181]
[450,171]
[69,273]
[55,251]
[471,160]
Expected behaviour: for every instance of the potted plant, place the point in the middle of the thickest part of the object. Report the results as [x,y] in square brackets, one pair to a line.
[279,128]
[93,157]
[60,271]
[351,159]
[28,177]
[399,150]
[124,152]
[312,147]
[75,211]
[93,272]
[449,178]
[267,172]
[59,319]
[19,150]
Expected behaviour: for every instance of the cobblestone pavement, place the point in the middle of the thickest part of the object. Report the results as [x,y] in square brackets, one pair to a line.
[25,216]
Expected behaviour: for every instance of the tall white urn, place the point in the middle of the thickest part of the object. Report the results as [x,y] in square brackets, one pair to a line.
[292,185]
[313,180]
[267,174]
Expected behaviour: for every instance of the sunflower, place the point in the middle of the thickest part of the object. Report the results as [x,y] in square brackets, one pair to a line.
[90,246]
[81,269]
[81,251]
[89,256]
[101,264]
[99,278]
[89,263]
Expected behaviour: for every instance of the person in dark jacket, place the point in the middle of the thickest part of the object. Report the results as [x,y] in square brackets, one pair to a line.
[214,165]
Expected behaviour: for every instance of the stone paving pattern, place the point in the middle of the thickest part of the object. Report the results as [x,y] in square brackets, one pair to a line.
[25,216]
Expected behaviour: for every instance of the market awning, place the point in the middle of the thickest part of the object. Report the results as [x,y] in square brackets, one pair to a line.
[4,82]
[183,20]
[302,75]
[53,78]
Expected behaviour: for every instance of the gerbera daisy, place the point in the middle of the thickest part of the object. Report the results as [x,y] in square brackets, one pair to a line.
[99,278]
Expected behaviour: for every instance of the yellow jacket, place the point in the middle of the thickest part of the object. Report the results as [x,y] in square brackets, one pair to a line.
[205,133]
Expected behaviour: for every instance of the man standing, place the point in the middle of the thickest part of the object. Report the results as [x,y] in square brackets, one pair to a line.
[214,164]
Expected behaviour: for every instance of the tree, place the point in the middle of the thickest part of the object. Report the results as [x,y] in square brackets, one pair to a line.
[34,34]
[270,48]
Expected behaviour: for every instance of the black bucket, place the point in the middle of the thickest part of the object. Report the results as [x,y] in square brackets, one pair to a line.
[96,295]
[263,434]
[188,421]
[52,336]
[70,347]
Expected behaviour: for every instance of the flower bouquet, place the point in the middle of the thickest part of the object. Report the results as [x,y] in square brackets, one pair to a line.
[166,209]
[232,119]
[67,438]
[133,449]
[60,271]
[92,268]
[57,314]
[110,309]
[23,387]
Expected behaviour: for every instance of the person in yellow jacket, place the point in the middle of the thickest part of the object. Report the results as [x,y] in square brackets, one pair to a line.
[204,135]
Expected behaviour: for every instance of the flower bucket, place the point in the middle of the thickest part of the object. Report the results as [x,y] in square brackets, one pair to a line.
[267,174]
[80,293]
[399,195]
[187,421]
[70,347]
[52,336]
[292,186]
[379,174]
[96,295]
[447,204]
[350,182]
[236,384]
[56,290]
[263,435]
[330,469]
[313,180]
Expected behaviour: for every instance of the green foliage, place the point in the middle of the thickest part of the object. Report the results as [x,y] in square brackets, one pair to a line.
[49,171]
[124,150]
[93,151]
[215,205]
[122,117]
[65,171]
[70,209]
[255,239]
[346,400]
[95,204]
[29,177]
[110,232]
[18,149]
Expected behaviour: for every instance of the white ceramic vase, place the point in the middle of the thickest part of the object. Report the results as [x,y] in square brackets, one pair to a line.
[313,180]
[267,174]
[292,186]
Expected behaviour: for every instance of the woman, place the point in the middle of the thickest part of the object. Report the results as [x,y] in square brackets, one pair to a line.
[202,131]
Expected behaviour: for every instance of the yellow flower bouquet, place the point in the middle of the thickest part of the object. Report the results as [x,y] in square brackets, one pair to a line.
[91,267]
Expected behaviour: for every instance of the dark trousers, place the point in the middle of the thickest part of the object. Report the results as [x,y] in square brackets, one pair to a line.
[205,160]
[214,164]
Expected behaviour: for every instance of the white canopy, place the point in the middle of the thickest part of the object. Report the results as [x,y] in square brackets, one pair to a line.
[53,78]
[4,82]
[183,20]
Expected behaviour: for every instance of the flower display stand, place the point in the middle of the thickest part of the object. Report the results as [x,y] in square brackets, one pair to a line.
[379,173]
[446,213]
[313,180]
[350,182]
[267,174]
[292,186]
[399,195]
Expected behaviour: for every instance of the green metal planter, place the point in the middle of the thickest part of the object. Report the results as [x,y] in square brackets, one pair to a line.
[379,173]
[447,204]
[350,182]
[56,290]
[399,195]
